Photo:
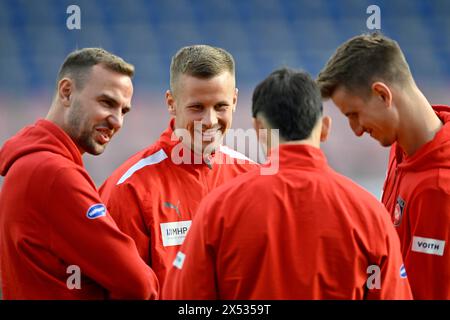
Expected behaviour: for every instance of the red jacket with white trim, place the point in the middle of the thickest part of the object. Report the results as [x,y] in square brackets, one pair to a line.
[154,195]
[305,232]
[57,240]
[417,195]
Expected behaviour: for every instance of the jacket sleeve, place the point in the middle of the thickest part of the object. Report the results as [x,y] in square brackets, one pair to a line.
[127,208]
[428,258]
[393,280]
[192,276]
[95,244]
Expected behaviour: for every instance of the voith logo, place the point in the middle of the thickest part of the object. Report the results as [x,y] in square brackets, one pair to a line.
[96,211]
[428,245]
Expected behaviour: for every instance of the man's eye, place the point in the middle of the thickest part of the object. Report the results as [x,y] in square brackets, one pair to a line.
[106,103]
[222,107]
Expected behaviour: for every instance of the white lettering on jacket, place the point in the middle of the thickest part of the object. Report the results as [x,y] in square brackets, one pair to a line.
[173,233]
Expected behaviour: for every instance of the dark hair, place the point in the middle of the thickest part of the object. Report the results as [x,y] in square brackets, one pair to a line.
[78,63]
[201,61]
[290,101]
[360,61]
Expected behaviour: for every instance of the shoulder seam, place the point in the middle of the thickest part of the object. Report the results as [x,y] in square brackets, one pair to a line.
[152,159]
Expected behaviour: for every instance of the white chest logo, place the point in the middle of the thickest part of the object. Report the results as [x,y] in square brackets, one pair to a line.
[173,233]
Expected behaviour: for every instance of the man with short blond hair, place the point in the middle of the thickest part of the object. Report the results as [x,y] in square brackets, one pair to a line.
[154,195]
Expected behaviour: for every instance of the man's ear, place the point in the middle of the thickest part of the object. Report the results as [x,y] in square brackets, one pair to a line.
[235,99]
[326,128]
[260,126]
[170,101]
[256,124]
[382,91]
[65,90]
[262,134]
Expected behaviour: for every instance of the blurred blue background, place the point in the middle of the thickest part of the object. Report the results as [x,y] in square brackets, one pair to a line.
[261,34]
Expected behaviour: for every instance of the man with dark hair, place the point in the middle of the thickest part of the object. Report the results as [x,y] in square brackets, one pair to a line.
[57,240]
[369,80]
[153,196]
[303,233]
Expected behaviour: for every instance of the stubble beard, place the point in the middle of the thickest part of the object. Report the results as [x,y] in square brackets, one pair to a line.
[80,133]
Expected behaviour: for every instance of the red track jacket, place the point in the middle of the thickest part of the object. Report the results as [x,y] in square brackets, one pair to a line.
[303,233]
[153,198]
[52,222]
[417,194]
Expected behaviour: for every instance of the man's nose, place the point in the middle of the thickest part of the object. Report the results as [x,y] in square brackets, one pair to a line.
[357,128]
[115,121]
[210,117]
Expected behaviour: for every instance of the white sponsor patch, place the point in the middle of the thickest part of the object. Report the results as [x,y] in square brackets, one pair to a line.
[179,260]
[428,245]
[173,233]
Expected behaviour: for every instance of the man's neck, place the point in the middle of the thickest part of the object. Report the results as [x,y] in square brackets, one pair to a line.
[418,122]
[308,142]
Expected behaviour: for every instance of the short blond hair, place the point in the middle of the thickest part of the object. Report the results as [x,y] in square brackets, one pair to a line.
[201,61]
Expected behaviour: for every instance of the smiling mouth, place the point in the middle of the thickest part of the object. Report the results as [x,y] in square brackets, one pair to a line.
[104,135]
[210,135]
